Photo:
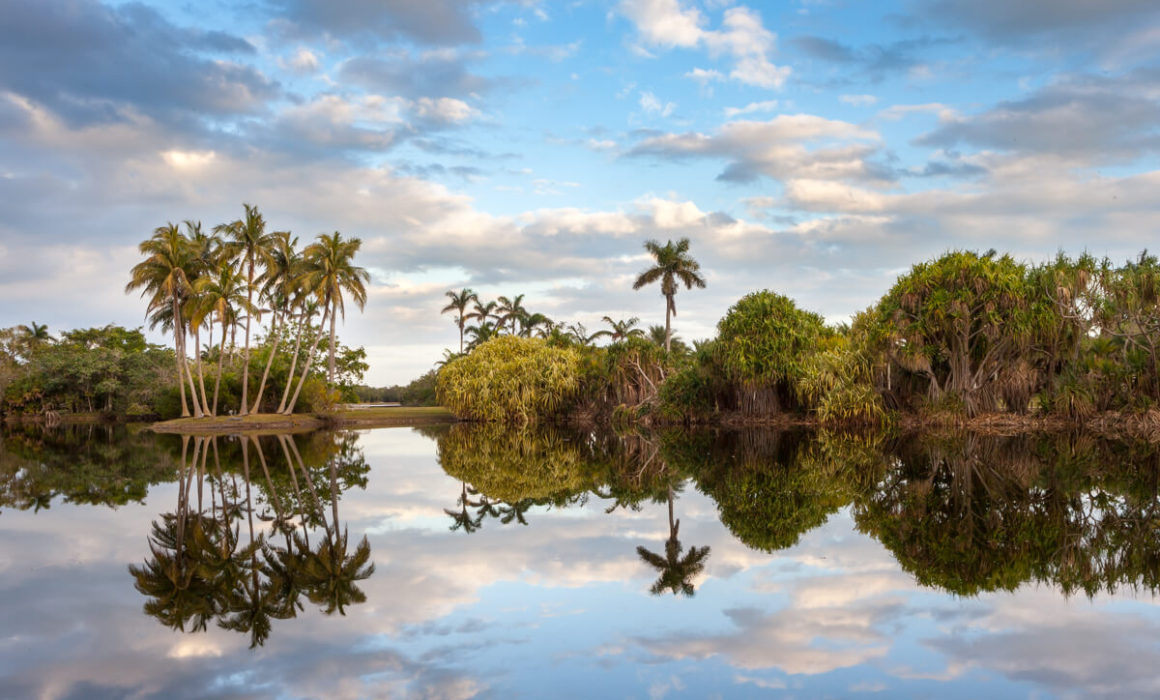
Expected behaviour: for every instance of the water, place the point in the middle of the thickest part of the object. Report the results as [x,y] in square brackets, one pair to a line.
[558,565]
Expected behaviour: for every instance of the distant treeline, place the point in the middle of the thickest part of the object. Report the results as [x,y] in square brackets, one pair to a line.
[420,392]
[963,334]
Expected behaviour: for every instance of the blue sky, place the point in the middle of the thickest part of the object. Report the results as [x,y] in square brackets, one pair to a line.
[816,147]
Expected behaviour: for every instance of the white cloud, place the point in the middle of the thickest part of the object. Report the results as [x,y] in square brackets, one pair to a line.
[752,107]
[742,37]
[703,76]
[858,100]
[304,61]
[651,104]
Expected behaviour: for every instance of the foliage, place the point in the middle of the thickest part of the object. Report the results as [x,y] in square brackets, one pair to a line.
[761,349]
[509,465]
[510,379]
[109,369]
[966,325]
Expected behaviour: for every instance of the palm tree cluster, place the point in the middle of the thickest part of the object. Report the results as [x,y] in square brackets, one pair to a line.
[232,278]
[201,569]
[674,266]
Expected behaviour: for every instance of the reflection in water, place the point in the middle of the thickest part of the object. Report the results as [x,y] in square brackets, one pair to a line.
[676,572]
[255,533]
[966,514]
[84,464]
[974,513]
[199,570]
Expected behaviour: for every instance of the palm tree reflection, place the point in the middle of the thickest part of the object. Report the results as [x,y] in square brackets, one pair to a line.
[196,573]
[676,572]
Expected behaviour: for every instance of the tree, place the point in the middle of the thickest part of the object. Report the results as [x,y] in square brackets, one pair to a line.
[458,304]
[510,311]
[620,330]
[250,241]
[281,290]
[673,265]
[164,275]
[221,294]
[331,272]
[963,326]
[675,570]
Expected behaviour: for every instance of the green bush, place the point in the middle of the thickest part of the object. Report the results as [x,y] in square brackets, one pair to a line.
[510,379]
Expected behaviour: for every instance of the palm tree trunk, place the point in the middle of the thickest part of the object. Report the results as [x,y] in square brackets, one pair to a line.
[200,374]
[269,361]
[330,355]
[306,370]
[246,360]
[218,382]
[177,357]
[293,364]
[668,323]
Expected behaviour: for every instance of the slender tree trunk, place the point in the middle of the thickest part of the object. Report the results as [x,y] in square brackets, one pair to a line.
[178,358]
[461,335]
[330,355]
[668,323]
[306,370]
[293,364]
[246,359]
[218,382]
[269,361]
[179,330]
[200,374]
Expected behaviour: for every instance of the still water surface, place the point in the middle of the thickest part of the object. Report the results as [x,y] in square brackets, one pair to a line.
[459,562]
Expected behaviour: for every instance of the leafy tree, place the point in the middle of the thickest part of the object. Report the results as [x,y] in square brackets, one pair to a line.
[963,324]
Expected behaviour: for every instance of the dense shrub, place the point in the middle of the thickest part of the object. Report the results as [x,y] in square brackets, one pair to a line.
[510,379]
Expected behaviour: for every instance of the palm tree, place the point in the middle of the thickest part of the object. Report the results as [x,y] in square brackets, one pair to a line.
[620,330]
[675,570]
[331,272]
[221,294]
[480,334]
[578,333]
[281,285]
[36,332]
[673,265]
[164,275]
[538,323]
[510,310]
[249,240]
[458,304]
[483,312]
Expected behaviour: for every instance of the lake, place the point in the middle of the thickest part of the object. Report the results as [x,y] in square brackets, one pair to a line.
[475,561]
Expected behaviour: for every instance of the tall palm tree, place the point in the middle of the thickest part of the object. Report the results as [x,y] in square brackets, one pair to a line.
[249,240]
[282,283]
[221,294]
[620,330]
[331,272]
[673,265]
[458,304]
[164,276]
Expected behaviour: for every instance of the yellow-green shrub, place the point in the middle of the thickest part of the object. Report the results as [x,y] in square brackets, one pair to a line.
[510,379]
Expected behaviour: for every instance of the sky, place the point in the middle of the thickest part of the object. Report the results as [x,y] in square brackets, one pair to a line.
[817,148]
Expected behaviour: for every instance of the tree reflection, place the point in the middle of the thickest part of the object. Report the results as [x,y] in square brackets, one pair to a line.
[976,513]
[197,572]
[676,572]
